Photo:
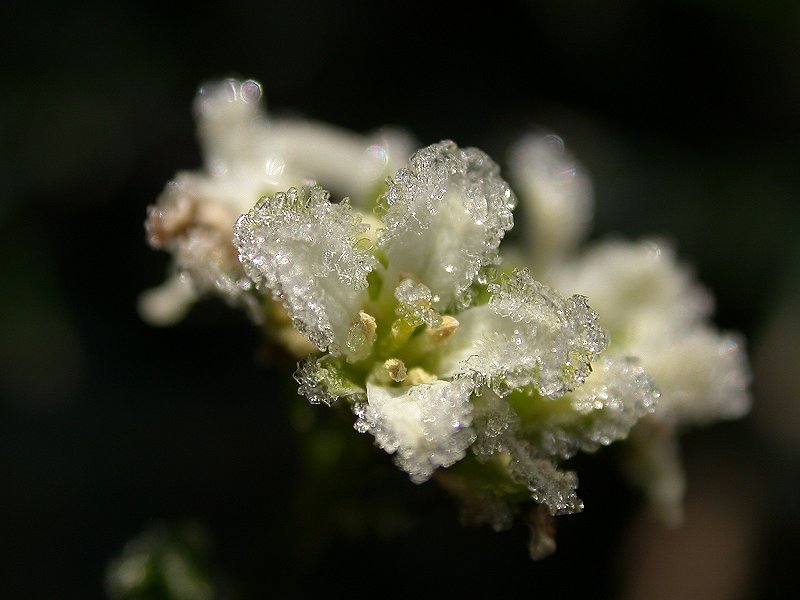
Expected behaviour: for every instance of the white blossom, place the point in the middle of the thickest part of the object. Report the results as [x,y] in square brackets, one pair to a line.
[408,317]
[248,155]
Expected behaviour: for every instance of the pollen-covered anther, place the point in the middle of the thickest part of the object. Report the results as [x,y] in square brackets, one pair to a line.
[361,337]
[396,369]
[444,331]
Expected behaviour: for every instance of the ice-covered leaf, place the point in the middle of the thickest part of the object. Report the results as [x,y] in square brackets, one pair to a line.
[305,250]
[425,426]
[445,215]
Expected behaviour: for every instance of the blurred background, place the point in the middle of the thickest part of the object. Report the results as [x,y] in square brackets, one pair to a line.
[687,114]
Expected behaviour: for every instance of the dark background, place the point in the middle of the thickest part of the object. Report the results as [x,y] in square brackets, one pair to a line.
[687,114]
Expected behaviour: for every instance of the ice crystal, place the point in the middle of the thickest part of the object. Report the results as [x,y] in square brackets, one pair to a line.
[425,426]
[212,267]
[414,304]
[322,382]
[499,432]
[614,397]
[305,250]
[445,215]
[548,485]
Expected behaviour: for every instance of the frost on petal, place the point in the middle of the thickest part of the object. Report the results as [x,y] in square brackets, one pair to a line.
[425,426]
[445,215]
[615,396]
[212,266]
[528,335]
[306,251]
[556,194]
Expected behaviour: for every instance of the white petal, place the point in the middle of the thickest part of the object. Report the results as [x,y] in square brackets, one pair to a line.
[352,164]
[703,376]
[614,397]
[557,197]
[168,303]
[426,426]
[497,429]
[527,335]
[445,216]
[636,286]
[305,250]
[656,312]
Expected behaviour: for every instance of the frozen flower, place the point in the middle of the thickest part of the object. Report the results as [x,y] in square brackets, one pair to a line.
[434,351]
[246,156]
[483,376]
[650,305]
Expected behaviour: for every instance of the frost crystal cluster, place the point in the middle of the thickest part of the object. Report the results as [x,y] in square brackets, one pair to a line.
[483,374]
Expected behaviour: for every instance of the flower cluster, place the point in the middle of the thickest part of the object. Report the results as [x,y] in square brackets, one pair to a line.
[461,366]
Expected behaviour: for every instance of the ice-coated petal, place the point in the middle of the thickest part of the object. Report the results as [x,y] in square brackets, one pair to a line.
[614,397]
[425,426]
[528,334]
[556,194]
[445,215]
[306,251]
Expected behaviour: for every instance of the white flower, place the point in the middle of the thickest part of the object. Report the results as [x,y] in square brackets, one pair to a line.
[457,366]
[247,156]
[417,332]
[653,310]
